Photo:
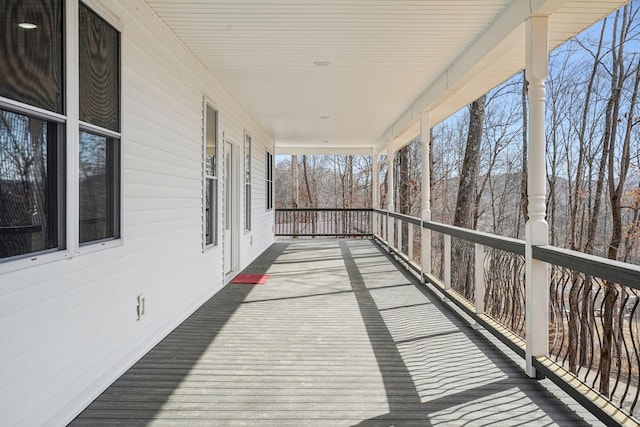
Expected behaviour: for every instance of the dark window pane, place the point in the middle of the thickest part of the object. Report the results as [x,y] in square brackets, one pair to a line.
[211,136]
[99,188]
[247,159]
[99,71]
[30,180]
[269,181]
[211,196]
[247,207]
[31,52]
[211,190]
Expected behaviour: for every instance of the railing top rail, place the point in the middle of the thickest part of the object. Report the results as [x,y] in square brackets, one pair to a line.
[615,271]
[506,244]
[323,209]
[604,268]
[406,218]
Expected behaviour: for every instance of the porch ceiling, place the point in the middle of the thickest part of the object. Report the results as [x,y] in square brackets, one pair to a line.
[388,60]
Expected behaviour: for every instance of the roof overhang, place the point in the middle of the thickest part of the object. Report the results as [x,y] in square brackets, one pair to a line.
[348,77]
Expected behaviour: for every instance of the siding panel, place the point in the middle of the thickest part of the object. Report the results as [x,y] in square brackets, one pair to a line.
[69,328]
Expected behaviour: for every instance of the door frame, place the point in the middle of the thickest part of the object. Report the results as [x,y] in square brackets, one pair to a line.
[231,267]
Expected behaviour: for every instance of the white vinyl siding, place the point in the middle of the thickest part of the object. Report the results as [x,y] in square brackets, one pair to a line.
[68,328]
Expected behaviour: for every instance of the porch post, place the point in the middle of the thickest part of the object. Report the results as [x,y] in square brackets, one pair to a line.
[425,234]
[375,188]
[390,193]
[537,282]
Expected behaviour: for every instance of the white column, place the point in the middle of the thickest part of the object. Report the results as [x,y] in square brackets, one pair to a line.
[425,234]
[537,283]
[390,192]
[375,188]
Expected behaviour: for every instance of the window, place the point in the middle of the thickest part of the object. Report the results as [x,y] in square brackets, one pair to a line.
[32,145]
[247,182]
[269,181]
[99,142]
[33,136]
[31,185]
[211,176]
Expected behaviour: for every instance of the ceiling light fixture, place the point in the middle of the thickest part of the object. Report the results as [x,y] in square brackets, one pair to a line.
[27,25]
[322,63]
[325,117]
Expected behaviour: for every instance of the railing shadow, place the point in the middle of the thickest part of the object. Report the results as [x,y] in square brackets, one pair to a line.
[409,384]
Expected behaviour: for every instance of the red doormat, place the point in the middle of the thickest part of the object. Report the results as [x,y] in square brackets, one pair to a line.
[250,279]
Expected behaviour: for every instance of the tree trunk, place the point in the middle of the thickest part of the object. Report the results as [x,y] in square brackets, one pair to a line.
[295,192]
[616,182]
[404,195]
[350,188]
[305,175]
[432,180]
[524,192]
[465,204]
[466,201]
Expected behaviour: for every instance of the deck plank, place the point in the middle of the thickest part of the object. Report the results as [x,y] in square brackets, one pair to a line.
[338,336]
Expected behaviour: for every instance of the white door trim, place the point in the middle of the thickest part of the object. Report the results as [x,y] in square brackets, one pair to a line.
[231,218]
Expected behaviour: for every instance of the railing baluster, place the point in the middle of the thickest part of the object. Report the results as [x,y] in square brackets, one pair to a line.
[479,278]
[447,262]
[399,247]
[390,231]
[410,242]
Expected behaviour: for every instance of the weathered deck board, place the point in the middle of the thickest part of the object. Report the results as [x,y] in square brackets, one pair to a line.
[338,336]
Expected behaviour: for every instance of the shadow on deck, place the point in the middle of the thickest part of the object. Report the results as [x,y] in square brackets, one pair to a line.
[339,336]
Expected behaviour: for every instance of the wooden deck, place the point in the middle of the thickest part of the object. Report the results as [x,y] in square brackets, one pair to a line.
[339,336]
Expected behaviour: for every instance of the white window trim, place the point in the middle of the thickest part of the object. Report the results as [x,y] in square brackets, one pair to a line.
[206,247]
[26,109]
[269,182]
[33,260]
[247,210]
[73,125]
[72,63]
[103,11]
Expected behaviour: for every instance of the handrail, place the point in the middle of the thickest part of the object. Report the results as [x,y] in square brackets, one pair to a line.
[323,209]
[613,270]
[604,268]
[406,218]
[506,244]
[323,222]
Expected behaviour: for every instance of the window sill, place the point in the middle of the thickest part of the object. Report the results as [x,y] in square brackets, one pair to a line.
[32,261]
[89,248]
[210,248]
[36,260]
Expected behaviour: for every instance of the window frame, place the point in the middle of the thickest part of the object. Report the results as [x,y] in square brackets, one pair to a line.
[57,185]
[69,128]
[116,135]
[269,181]
[115,173]
[247,182]
[210,215]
